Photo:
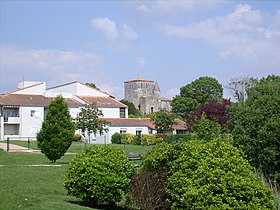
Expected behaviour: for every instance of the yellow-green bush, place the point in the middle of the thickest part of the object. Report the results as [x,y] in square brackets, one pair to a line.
[127,138]
[150,139]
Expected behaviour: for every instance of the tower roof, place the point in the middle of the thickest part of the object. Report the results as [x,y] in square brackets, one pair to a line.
[138,80]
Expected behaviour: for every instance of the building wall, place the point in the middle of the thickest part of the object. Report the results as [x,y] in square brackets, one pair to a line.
[129,129]
[30,125]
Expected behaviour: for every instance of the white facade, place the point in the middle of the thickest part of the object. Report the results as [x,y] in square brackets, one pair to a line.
[23,110]
[75,88]
[31,88]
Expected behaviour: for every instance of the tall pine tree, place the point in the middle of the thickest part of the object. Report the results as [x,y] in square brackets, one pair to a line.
[57,132]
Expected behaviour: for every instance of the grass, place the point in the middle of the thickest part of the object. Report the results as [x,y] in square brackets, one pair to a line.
[78,147]
[31,187]
[39,187]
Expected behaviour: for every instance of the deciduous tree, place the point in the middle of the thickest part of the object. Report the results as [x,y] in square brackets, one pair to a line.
[239,86]
[255,126]
[163,121]
[192,95]
[88,120]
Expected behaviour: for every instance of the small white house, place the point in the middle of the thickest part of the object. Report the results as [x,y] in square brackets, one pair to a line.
[138,126]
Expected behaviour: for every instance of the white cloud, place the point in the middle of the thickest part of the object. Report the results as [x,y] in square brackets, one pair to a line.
[52,66]
[245,33]
[107,26]
[174,6]
[128,32]
[141,61]
[143,8]
[112,30]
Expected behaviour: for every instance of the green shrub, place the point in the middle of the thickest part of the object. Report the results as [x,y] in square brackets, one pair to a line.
[127,138]
[151,139]
[99,175]
[215,175]
[136,139]
[116,138]
[77,137]
[205,175]
[170,138]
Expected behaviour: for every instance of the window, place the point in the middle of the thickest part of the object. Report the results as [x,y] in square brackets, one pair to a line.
[123,130]
[181,131]
[32,113]
[122,112]
[152,109]
[138,131]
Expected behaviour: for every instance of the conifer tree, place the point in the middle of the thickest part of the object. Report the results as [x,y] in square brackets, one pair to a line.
[57,132]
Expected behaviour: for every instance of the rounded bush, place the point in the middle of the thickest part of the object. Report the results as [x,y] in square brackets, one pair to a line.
[99,175]
[116,138]
[204,175]
[214,175]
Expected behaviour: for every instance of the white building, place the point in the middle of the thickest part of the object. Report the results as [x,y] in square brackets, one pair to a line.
[23,110]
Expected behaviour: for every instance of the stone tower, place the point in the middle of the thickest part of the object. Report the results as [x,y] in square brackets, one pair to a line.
[144,94]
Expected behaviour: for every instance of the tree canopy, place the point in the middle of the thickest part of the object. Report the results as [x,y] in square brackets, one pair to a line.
[163,121]
[192,95]
[88,120]
[240,86]
[255,126]
[57,132]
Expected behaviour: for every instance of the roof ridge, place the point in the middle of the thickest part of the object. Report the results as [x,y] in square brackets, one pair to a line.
[18,89]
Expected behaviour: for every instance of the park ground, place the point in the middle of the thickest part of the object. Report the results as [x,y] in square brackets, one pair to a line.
[30,181]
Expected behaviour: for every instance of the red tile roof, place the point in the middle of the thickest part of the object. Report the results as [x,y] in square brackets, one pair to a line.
[102,101]
[32,100]
[131,122]
[180,125]
[139,80]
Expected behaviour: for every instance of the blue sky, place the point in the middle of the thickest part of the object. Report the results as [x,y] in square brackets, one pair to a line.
[109,42]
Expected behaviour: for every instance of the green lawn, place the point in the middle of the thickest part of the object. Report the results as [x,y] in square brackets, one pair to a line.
[25,186]
[78,147]
[33,187]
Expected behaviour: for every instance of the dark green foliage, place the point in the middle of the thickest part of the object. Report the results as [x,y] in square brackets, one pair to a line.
[116,138]
[170,138]
[100,175]
[206,175]
[255,125]
[91,84]
[132,110]
[57,132]
[206,129]
[163,121]
[192,95]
